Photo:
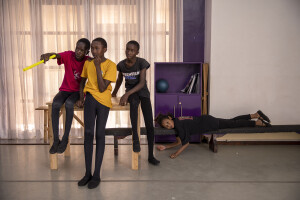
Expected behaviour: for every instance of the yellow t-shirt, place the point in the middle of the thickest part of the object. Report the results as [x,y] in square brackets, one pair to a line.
[109,72]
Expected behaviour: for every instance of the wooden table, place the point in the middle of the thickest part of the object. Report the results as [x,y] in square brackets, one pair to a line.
[115,107]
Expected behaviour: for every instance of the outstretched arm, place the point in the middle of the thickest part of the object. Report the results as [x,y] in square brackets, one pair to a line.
[118,84]
[46,56]
[168,146]
[179,151]
[139,86]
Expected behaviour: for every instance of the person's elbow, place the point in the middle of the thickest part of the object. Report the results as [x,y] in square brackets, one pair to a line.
[142,83]
[102,90]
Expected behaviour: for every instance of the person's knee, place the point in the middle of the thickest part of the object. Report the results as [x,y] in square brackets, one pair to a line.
[134,100]
[69,105]
[134,103]
[88,134]
[56,105]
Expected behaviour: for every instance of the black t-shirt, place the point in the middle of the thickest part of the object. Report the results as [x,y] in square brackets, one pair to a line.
[132,75]
[187,126]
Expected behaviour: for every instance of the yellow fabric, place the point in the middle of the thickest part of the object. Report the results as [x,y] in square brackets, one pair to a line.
[109,72]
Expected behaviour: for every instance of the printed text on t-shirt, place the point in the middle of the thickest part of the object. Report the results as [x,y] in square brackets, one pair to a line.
[131,75]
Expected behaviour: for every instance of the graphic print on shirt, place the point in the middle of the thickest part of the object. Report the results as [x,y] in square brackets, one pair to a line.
[185,117]
[77,75]
[131,75]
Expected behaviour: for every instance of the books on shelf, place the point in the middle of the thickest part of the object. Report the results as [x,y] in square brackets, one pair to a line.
[184,90]
[193,85]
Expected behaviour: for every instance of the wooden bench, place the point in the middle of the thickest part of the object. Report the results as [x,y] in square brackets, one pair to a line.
[115,107]
[244,130]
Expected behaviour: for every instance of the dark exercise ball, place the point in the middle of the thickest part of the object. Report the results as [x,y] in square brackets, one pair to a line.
[162,85]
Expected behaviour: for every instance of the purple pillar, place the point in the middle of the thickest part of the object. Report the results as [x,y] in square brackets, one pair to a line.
[193,30]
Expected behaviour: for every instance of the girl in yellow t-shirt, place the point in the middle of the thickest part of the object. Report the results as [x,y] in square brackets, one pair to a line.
[100,72]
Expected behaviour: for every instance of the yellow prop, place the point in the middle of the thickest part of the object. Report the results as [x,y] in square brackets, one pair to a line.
[36,64]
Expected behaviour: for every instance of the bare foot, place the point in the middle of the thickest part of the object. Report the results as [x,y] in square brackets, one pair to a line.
[255,116]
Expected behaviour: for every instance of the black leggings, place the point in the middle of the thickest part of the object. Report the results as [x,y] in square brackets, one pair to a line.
[94,110]
[134,101]
[69,99]
[236,122]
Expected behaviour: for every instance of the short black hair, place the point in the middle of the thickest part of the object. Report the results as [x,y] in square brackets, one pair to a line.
[102,41]
[160,118]
[134,43]
[86,42]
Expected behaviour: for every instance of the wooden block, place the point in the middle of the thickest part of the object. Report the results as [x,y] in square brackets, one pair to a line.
[68,150]
[205,89]
[53,161]
[135,161]
[50,129]
[46,126]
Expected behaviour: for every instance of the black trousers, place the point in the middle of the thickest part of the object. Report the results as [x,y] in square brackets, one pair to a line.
[236,122]
[69,99]
[146,106]
[94,112]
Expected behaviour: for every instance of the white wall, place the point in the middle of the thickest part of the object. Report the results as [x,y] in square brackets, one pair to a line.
[253,47]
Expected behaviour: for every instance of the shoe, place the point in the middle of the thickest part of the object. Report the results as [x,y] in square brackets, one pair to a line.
[263,116]
[136,146]
[153,161]
[213,144]
[62,146]
[84,180]
[94,183]
[54,147]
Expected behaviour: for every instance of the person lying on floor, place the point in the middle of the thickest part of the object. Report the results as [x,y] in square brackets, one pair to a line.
[187,126]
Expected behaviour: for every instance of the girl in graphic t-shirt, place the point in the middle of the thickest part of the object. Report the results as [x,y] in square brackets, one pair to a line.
[134,70]
[187,126]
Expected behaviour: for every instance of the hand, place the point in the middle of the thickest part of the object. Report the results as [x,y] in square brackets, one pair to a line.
[173,155]
[161,147]
[97,61]
[124,100]
[46,57]
[80,103]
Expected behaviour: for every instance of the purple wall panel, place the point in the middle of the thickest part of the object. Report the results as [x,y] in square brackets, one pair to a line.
[193,30]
